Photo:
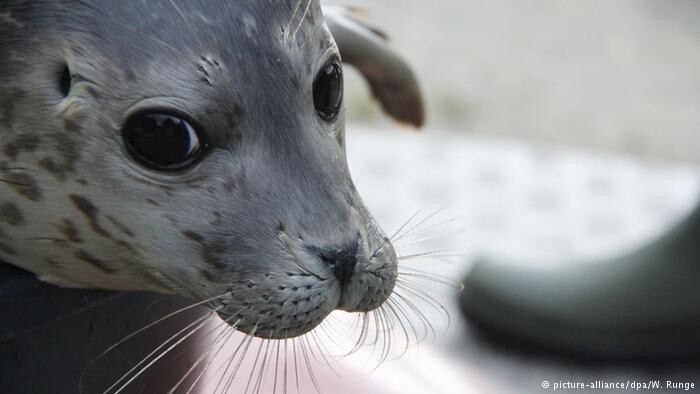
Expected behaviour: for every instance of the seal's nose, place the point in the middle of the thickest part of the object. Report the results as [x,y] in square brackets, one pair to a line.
[342,261]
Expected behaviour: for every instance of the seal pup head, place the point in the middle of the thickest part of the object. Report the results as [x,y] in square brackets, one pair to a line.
[188,147]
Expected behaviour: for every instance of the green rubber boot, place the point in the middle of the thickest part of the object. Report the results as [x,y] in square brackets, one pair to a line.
[642,305]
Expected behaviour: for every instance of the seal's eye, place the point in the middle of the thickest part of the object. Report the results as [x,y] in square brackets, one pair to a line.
[162,142]
[328,91]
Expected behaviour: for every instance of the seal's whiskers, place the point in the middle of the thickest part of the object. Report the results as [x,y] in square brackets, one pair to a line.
[221,338]
[255,364]
[211,358]
[388,332]
[162,319]
[197,324]
[421,222]
[429,239]
[428,276]
[305,352]
[229,380]
[303,17]
[430,254]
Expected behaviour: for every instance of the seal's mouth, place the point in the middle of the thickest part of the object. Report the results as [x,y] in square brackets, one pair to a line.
[278,306]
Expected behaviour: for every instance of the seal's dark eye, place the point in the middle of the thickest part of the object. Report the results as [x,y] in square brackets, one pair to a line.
[162,142]
[328,91]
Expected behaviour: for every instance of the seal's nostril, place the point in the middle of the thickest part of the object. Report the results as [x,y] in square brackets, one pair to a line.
[64,81]
[342,261]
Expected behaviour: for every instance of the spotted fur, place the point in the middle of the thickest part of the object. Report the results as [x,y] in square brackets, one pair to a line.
[249,222]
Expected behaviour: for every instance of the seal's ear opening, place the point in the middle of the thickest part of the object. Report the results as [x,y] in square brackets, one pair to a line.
[64,80]
[391,79]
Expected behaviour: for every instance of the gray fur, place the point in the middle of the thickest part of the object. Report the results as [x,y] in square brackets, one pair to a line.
[249,222]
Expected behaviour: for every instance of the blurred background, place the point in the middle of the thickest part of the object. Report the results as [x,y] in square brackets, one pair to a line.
[619,76]
[559,132]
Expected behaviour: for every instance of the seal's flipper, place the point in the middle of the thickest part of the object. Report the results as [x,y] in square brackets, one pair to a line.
[392,81]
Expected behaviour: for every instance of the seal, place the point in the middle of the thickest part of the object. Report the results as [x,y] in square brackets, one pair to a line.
[194,148]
